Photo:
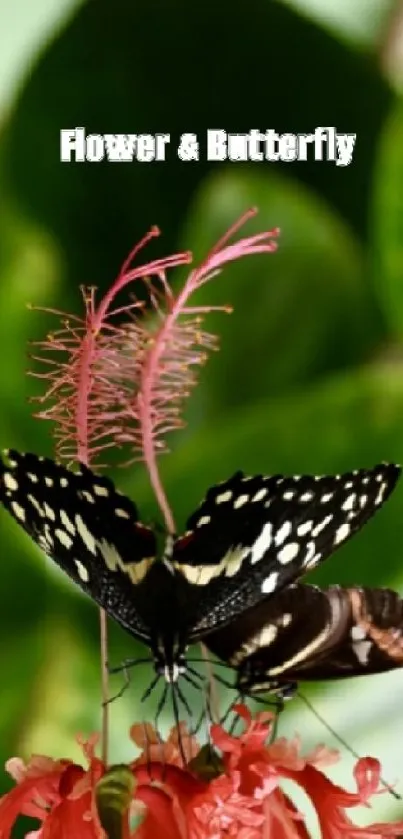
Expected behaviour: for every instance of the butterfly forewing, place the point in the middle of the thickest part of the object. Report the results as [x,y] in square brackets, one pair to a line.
[305,633]
[88,528]
[251,536]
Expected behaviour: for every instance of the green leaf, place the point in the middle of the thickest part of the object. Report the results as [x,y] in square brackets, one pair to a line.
[387,221]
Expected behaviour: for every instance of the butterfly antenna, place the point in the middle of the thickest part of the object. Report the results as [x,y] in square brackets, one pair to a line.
[344,742]
[174,694]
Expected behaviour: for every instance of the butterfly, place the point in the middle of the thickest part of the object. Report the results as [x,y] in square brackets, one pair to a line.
[307,633]
[230,579]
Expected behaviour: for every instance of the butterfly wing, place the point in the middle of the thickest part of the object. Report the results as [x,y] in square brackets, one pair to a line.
[305,633]
[252,536]
[88,528]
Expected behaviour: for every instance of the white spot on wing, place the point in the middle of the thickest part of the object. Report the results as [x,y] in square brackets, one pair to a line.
[263,543]
[267,635]
[48,481]
[32,477]
[67,523]
[289,495]
[82,571]
[18,511]
[100,490]
[136,571]
[63,538]
[327,496]
[358,633]
[223,497]
[48,536]
[381,493]
[123,514]
[311,548]
[203,520]
[10,482]
[240,501]
[304,528]
[362,650]
[260,494]
[348,504]
[49,513]
[234,559]
[85,534]
[341,533]
[306,496]
[288,553]
[321,526]
[35,503]
[269,584]
[282,533]
[87,495]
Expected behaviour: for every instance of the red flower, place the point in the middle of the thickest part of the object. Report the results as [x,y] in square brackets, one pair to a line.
[156,797]
[58,793]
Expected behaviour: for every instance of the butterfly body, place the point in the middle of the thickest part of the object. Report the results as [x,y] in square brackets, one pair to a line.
[229,580]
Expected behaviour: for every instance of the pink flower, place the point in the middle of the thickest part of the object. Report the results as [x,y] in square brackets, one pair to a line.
[119,376]
[156,797]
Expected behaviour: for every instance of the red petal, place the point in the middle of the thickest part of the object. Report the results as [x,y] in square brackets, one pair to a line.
[367,773]
[22,799]
[282,819]
[160,820]
[330,801]
[70,819]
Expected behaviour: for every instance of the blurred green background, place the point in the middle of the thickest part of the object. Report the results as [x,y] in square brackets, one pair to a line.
[310,375]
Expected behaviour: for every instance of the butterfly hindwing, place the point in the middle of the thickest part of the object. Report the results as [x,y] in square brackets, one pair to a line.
[305,633]
[88,528]
[252,536]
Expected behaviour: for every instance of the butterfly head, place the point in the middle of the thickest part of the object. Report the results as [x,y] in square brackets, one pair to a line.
[169,658]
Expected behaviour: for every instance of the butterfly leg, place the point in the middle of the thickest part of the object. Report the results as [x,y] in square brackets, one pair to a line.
[127,664]
[283,694]
[124,668]
[123,689]
[207,713]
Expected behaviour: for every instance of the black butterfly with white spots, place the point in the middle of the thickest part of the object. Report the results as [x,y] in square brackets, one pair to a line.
[230,579]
